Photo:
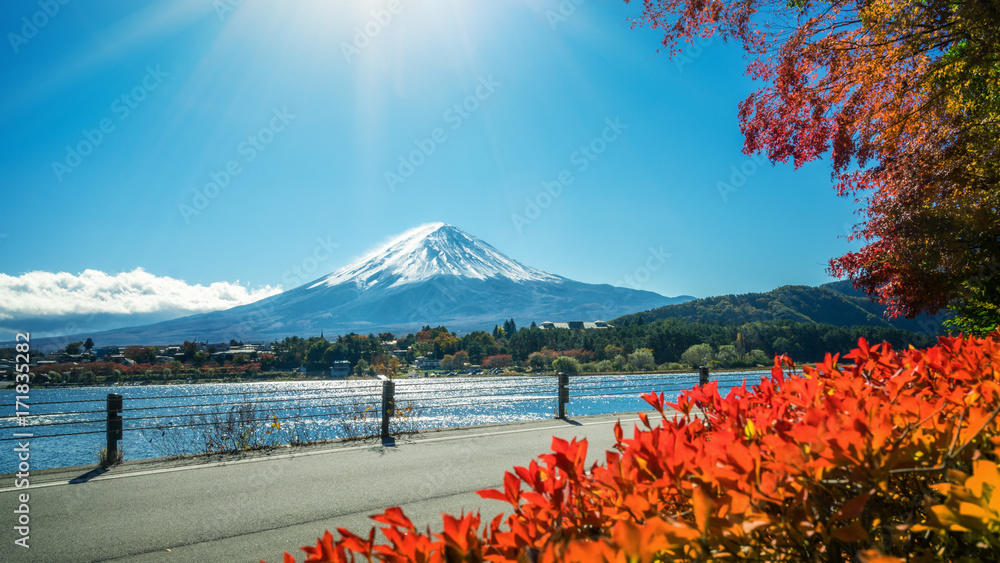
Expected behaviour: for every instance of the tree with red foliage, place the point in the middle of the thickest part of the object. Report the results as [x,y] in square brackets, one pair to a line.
[904,97]
[497,361]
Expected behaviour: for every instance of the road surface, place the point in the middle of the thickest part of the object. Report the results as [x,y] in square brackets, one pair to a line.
[253,507]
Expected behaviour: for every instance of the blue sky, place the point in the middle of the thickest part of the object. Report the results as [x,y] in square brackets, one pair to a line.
[117,115]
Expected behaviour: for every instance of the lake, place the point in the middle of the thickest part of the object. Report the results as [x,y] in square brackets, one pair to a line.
[68,424]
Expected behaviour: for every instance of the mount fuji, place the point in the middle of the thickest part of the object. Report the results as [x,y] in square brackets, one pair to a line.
[435,274]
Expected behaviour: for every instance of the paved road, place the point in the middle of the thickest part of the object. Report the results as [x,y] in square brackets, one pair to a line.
[254,507]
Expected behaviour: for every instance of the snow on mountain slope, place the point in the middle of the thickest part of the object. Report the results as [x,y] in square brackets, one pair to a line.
[432,250]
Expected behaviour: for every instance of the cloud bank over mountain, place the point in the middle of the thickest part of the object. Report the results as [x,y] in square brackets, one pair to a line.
[48,303]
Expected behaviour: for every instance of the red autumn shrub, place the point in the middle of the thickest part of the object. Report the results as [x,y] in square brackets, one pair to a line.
[890,459]
[581,355]
[497,361]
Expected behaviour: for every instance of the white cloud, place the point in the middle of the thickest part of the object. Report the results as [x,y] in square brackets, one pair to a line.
[139,295]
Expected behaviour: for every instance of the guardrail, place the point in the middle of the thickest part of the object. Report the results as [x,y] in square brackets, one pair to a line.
[374,405]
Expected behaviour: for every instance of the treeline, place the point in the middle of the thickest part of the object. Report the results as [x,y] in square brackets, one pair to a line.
[666,340]
[665,344]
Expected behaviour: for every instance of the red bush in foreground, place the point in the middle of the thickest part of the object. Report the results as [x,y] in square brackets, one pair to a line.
[891,457]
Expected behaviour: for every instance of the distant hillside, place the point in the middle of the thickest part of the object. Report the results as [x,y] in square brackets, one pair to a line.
[836,303]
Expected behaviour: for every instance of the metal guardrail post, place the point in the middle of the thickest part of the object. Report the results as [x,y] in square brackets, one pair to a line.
[388,404]
[114,428]
[703,375]
[563,396]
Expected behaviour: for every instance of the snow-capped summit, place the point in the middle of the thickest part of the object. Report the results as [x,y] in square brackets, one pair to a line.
[435,249]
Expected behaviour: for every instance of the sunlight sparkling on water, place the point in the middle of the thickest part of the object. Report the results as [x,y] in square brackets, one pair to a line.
[311,410]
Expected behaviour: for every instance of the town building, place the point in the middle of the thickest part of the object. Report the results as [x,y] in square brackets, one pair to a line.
[340,368]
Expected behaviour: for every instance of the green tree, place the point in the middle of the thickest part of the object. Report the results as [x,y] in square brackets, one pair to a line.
[189,349]
[783,345]
[697,355]
[88,345]
[741,345]
[538,361]
[200,358]
[334,352]
[566,364]
[509,327]
[475,351]
[759,357]
[604,365]
[315,359]
[642,359]
[611,351]
[727,355]
[479,345]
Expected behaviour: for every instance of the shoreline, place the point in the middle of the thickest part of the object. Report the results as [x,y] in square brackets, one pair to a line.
[307,378]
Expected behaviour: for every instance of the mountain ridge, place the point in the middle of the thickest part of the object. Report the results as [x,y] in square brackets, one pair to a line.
[835,303]
[434,274]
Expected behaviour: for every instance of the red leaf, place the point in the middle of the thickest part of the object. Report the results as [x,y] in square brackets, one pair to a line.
[394,517]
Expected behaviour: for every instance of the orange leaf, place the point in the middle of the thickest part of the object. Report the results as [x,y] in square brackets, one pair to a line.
[703,507]
[875,556]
